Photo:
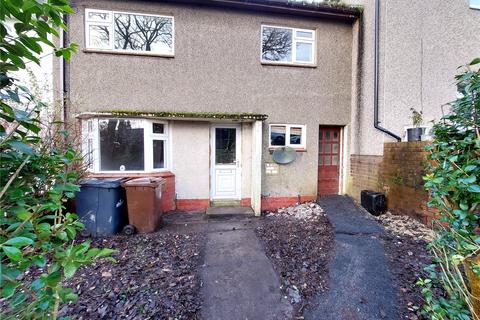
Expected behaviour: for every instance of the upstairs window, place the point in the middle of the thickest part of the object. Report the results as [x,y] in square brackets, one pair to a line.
[285,45]
[287,135]
[129,32]
[475,4]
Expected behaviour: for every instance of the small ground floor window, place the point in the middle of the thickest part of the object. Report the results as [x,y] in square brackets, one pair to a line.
[120,144]
[287,135]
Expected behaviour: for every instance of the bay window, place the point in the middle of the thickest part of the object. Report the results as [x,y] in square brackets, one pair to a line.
[132,145]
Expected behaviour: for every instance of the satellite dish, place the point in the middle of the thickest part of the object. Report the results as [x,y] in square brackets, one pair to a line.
[284,155]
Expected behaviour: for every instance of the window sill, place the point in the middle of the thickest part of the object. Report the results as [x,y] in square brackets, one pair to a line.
[289,64]
[271,149]
[162,174]
[130,53]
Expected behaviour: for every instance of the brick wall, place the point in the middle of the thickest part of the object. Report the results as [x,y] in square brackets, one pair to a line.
[364,174]
[398,174]
[402,170]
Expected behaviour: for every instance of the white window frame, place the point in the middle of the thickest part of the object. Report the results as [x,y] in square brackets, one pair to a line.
[148,138]
[303,138]
[295,39]
[110,24]
[474,6]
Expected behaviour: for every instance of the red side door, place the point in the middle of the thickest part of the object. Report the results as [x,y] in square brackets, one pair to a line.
[328,161]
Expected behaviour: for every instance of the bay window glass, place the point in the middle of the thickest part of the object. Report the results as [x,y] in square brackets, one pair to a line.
[135,145]
[121,145]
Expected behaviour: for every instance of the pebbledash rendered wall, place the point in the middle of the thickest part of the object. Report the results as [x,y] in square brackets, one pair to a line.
[217,68]
[422,44]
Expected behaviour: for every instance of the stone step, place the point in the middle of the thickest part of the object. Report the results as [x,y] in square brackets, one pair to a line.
[225,203]
[229,211]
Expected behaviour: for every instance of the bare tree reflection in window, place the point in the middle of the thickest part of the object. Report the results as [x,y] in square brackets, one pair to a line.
[276,44]
[99,36]
[145,33]
[96,15]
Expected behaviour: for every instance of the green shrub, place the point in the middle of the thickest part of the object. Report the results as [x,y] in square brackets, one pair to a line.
[454,185]
[38,249]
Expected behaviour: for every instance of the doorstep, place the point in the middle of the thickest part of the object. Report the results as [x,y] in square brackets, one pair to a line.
[229,211]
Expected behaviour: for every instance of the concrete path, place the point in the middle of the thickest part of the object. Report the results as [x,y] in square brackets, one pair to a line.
[239,281]
[361,286]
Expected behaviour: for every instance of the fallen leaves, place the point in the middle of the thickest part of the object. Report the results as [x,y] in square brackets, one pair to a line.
[155,277]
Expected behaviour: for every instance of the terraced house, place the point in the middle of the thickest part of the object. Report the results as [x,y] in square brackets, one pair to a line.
[213,95]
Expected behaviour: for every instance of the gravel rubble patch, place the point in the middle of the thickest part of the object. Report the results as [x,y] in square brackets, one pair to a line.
[299,242]
[406,243]
[155,277]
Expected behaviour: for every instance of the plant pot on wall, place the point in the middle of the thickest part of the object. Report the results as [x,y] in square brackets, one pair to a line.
[415,134]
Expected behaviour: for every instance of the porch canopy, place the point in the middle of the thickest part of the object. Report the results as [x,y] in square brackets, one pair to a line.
[175,115]
[256,121]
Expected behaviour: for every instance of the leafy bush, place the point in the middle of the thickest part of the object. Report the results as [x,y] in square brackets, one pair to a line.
[38,249]
[454,184]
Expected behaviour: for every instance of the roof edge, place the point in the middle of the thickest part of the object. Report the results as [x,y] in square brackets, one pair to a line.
[316,10]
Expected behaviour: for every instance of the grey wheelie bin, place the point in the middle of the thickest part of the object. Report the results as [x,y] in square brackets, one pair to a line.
[101,206]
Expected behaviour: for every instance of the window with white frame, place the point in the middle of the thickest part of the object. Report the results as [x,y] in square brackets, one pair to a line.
[475,4]
[129,32]
[288,135]
[134,145]
[288,45]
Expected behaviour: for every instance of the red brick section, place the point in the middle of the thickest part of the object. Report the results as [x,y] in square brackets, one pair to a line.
[246,202]
[401,179]
[274,203]
[193,204]
[399,175]
[364,173]
[168,194]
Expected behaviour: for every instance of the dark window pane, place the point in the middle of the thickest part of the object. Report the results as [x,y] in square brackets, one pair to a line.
[327,148]
[143,33]
[158,128]
[276,44]
[327,160]
[321,135]
[334,160]
[277,135]
[158,154]
[225,145]
[327,135]
[90,153]
[121,145]
[335,148]
[295,135]
[335,136]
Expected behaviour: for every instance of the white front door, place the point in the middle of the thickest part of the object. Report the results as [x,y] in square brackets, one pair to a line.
[225,162]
